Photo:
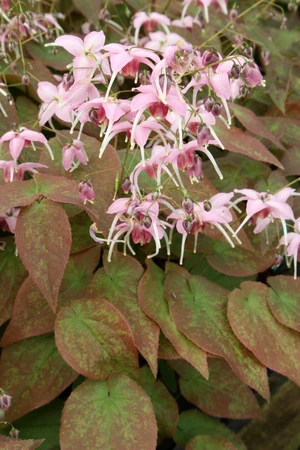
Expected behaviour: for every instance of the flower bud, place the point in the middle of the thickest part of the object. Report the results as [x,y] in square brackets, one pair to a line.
[187,225]
[244,90]
[292,7]
[207,206]
[216,109]
[103,15]
[144,77]
[248,52]
[277,260]
[68,81]
[188,205]
[11,45]
[5,401]
[235,71]
[22,18]
[165,83]
[265,56]
[126,185]
[233,14]
[97,115]
[208,103]
[86,191]
[209,58]
[14,433]
[147,222]
[25,79]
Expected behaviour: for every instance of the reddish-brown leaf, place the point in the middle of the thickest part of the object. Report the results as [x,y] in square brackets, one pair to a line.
[166,349]
[153,303]
[222,395]
[17,194]
[31,315]
[95,339]
[43,239]
[8,443]
[254,124]
[114,414]
[117,282]
[209,443]
[33,373]
[102,175]
[284,300]
[275,345]
[237,141]
[198,308]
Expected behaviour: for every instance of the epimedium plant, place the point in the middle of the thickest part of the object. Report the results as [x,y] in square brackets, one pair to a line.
[149,210]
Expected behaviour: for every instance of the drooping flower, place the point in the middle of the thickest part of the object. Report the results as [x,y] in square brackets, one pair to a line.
[5,400]
[72,151]
[86,192]
[23,138]
[293,245]
[13,171]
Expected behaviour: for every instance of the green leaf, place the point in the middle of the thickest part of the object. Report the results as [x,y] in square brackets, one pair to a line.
[284,300]
[253,123]
[193,423]
[27,112]
[222,395]
[164,405]
[95,339]
[80,226]
[117,282]
[42,423]
[112,415]
[43,239]
[209,443]
[237,141]
[198,308]
[12,275]
[153,303]
[45,55]
[33,373]
[275,345]
[166,349]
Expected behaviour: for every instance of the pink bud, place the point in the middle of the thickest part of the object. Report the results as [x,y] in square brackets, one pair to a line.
[68,81]
[188,205]
[25,79]
[5,401]
[216,109]
[235,71]
[147,222]
[233,14]
[14,433]
[86,191]
[208,103]
[203,135]
[126,184]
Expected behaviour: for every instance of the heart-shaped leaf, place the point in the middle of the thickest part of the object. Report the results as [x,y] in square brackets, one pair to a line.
[113,414]
[43,239]
[95,339]
[284,300]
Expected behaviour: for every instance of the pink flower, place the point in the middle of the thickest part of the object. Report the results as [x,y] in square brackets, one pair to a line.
[71,151]
[86,52]
[5,401]
[252,74]
[55,102]
[149,21]
[293,240]
[13,171]
[23,138]
[264,207]
[8,222]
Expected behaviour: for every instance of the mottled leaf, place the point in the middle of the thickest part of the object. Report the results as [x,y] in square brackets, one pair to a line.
[117,282]
[153,303]
[8,443]
[193,423]
[89,8]
[164,405]
[198,308]
[253,123]
[275,345]
[95,339]
[27,114]
[12,275]
[237,261]
[209,443]
[113,414]
[34,373]
[43,239]
[31,315]
[17,194]
[222,395]
[284,300]
[237,141]
[80,227]
[291,161]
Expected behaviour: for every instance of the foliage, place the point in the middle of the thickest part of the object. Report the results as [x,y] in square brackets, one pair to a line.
[169,131]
